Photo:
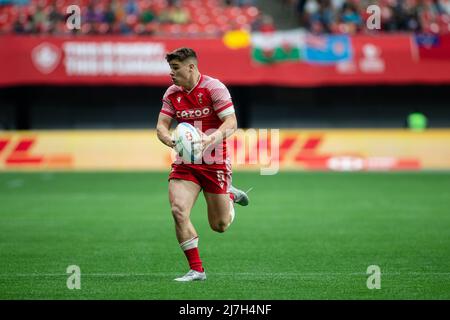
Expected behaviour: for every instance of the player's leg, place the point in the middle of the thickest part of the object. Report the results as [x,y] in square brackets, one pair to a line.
[216,182]
[220,195]
[182,196]
[220,210]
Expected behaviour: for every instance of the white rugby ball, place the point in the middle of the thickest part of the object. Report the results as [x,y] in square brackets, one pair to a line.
[187,142]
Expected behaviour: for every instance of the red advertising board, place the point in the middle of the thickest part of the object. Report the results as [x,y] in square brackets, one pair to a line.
[387,59]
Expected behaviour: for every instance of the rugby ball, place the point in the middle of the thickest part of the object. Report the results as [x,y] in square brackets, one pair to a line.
[187,142]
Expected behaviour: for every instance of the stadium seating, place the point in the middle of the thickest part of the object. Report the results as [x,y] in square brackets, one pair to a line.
[211,18]
[349,16]
[201,17]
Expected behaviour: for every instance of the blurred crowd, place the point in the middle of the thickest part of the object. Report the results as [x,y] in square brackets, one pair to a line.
[141,17]
[215,17]
[350,16]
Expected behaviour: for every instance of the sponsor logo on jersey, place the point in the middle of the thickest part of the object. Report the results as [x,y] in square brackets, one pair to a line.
[193,113]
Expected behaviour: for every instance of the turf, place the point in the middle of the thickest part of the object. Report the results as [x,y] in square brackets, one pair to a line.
[304,236]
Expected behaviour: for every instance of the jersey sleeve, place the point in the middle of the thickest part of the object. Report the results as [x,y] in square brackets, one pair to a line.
[221,100]
[167,107]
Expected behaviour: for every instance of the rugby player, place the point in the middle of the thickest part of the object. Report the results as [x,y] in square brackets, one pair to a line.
[205,103]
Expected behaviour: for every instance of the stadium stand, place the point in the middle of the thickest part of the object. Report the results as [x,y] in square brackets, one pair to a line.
[212,18]
[340,16]
[142,17]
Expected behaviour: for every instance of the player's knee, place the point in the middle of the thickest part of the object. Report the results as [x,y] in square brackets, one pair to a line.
[180,214]
[219,226]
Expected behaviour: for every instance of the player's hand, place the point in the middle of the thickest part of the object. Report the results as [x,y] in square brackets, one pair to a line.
[171,142]
[205,140]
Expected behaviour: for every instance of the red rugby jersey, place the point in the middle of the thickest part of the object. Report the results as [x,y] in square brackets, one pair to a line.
[204,106]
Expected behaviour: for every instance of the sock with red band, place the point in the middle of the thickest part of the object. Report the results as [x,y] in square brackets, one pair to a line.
[190,248]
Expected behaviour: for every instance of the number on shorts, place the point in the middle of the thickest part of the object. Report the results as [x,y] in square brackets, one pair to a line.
[220,178]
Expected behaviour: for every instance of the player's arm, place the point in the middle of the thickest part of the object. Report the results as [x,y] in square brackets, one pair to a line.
[226,129]
[163,130]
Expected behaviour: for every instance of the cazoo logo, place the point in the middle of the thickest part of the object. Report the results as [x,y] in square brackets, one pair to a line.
[197,113]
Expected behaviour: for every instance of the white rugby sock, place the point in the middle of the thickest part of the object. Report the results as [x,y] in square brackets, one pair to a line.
[189,244]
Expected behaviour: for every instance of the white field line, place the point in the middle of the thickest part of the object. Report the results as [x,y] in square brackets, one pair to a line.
[226,274]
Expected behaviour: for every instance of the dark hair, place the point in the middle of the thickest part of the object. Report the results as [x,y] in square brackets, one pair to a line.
[181,54]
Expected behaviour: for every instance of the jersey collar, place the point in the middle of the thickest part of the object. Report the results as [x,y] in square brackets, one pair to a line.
[196,85]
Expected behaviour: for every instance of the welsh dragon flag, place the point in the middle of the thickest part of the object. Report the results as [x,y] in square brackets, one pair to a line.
[298,45]
[278,46]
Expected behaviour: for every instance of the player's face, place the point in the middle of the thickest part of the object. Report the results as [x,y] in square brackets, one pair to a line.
[180,72]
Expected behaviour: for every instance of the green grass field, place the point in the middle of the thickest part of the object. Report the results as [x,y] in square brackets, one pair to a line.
[304,236]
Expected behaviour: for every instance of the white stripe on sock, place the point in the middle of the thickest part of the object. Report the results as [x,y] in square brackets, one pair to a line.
[189,244]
